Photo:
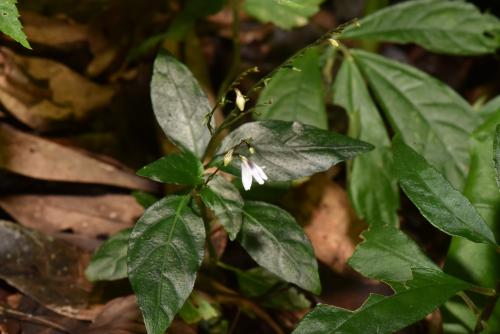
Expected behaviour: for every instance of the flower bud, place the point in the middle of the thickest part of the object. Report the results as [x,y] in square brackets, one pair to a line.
[251,150]
[240,99]
[228,157]
[334,42]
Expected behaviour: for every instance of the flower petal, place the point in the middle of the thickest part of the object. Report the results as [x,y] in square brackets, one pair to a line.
[255,172]
[261,173]
[246,175]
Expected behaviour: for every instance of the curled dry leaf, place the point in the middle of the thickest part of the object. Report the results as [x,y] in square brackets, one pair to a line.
[45,94]
[39,158]
[48,270]
[330,221]
[88,215]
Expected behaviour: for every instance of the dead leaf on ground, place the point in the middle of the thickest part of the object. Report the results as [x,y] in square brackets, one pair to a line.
[58,32]
[48,270]
[45,94]
[330,221]
[39,158]
[119,316]
[88,215]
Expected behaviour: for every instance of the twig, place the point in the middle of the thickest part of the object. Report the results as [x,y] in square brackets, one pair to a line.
[235,321]
[225,295]
[249,305]
[10,313]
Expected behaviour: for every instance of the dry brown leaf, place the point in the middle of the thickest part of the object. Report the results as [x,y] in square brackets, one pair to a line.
[122,316]
[119,316]
[88,215]
[39,158]
[45,94]
[330,221]
[59,33]
[48,270]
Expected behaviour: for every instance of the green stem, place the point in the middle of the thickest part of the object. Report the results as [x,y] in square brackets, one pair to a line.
[235,65]
[289,61]
[228,267]
[470,304]
[206,222]
[483,291]
[485,315]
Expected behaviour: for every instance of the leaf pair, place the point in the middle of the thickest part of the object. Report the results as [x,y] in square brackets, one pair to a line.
[166,249]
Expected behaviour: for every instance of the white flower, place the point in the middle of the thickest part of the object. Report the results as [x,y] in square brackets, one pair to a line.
[251,170]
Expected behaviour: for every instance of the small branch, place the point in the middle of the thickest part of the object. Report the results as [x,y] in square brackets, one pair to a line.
[248,305]
[10,313]
[225,295]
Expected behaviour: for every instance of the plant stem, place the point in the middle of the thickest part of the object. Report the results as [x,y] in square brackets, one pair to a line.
[228,267]
[235,64]
[489,292]
[470,304]
[485,315]
[206,221]
[290,60]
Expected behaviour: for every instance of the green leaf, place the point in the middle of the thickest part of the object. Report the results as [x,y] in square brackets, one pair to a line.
[284,13]
[430,116]
[271,291]
[272,237]
[464,320]
[222,197]
[179,104]
[477,262]
[480,188]
[389,255]
[296,93]
[166,249]
[451,27]
[497,155]
[183,168]
[442,205]
[110,261]
[372,185]
[288,151]
[197,308]
[383,315]
[10,24]
[490,108]
[144,199]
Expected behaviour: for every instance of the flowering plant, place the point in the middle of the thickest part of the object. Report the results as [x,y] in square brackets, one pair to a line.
[428,157]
